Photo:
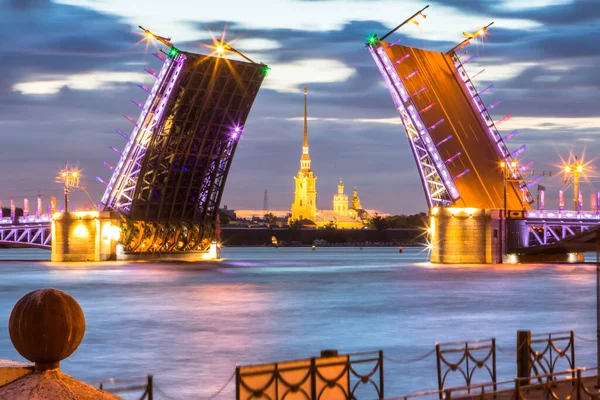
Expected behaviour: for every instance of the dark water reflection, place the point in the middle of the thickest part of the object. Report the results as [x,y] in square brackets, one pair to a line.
[190,324]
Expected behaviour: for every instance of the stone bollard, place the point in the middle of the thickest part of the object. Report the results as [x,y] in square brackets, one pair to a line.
[46,326]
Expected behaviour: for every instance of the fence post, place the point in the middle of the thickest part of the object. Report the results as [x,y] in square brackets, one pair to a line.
[381,393]
[523,357]
[494,362]
[448,394]
[439,370]
[313,379]
[237,383]
[150,388]
[579,383]
[572,338]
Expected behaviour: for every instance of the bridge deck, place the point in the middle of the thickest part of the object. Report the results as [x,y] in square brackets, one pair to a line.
[482,187]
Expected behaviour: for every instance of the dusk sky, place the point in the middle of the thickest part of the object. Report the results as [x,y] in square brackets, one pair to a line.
[70,69]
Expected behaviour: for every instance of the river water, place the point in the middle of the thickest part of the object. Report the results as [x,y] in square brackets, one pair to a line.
[189,324]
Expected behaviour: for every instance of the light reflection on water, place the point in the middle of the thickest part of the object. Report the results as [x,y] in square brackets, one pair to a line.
[189,324]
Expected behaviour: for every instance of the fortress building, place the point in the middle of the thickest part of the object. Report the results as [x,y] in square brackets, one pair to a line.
[304,207]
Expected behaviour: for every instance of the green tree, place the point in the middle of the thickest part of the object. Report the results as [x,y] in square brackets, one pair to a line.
[270,218]
[378,222]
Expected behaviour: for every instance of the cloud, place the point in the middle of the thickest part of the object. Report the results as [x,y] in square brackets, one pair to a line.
[95,80]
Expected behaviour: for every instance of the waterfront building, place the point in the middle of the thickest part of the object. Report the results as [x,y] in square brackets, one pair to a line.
[304,207]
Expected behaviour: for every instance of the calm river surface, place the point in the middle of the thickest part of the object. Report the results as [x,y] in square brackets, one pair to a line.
[189,325]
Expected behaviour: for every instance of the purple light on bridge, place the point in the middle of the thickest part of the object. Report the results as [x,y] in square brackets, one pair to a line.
[477,74]
[462,174]
[429,107]
[416,71]
[128,118]
[469,59]
[432,127]
[151,72]
[404,57]
[518,151]
[144,88]
[505,118]
[137,103]
[159,56]
[418,91]
[124,136]
[525,167]
[561,200]
[494,104]
[444,140]
[115,150]
[486,89]
[107,165]
[511,135]
[395,42]
[454,157]
[102,181]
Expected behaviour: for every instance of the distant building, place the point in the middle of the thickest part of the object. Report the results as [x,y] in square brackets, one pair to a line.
[304,207]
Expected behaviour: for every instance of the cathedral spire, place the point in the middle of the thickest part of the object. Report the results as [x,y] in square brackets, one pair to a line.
[305,143]
[305,159]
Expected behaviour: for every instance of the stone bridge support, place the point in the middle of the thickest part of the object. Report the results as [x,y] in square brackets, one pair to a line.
[465,236]
[84,236]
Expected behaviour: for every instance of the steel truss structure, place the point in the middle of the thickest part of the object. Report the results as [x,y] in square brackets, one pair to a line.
[168,183]
[549,227]
[492,130]
[451,98]
[439,186]
[27,235]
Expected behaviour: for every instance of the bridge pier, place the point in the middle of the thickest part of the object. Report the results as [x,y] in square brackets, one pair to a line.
[465,236]
[84,236]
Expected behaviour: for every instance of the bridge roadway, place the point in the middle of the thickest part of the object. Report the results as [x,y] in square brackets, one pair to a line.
[478,151]
[29,231]
[548,231]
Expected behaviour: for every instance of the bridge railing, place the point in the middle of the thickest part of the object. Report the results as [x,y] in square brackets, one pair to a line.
[563,214]
[31,219]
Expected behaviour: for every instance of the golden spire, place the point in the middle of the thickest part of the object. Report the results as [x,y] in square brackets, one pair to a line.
[305,144]
[305,159]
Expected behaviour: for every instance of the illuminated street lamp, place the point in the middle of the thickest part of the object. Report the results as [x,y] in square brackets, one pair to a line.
[70,178]
[576,169]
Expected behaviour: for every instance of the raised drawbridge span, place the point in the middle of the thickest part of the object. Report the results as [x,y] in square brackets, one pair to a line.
[473,183]
[166,187]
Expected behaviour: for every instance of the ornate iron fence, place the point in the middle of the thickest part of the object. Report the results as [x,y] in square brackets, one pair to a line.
[470,356]
[547,349]
[578,384]
[329,377]
[144,384]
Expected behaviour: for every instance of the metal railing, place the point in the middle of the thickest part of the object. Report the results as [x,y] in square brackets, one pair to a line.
[317,378]
[143,384]
[472,356]
[572,384]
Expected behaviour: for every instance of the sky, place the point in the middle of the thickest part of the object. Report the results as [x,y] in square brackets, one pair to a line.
[70,68]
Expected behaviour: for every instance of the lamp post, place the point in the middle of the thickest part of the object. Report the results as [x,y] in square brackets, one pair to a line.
[576,169]
[505,168]
[70,178]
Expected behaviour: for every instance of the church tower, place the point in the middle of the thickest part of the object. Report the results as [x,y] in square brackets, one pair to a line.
[340,201]
[356,201]
[305,196]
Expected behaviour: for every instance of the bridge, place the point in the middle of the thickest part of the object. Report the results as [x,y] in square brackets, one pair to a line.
[164,192]
[28,231]
[479,201]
